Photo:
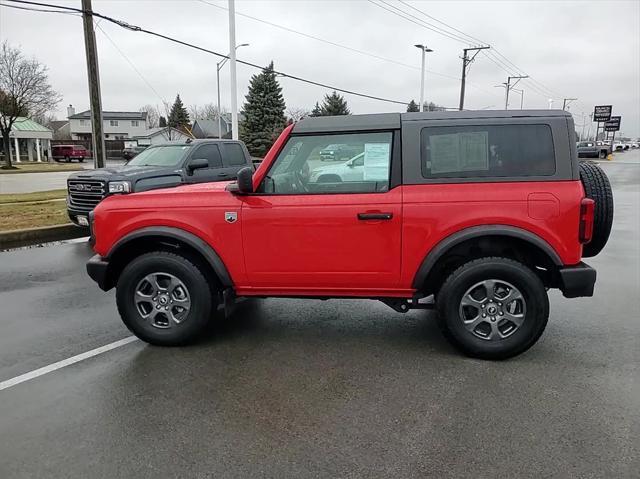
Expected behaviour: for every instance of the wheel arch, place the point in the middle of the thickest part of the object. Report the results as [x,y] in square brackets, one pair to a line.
[471,243]
[170,239]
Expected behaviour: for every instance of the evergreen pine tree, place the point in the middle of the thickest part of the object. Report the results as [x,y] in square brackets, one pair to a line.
[413,106]
[263,111]
[162,122]
[317,111]
[178,116]
[334,104]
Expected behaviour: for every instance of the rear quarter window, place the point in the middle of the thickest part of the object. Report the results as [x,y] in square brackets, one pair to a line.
[485,151]
[234,155]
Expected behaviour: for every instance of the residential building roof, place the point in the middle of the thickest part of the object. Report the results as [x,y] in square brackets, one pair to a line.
[57,124]
[157,131]
[112,115]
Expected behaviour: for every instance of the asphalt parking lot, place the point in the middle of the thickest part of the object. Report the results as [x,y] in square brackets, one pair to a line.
[289,388]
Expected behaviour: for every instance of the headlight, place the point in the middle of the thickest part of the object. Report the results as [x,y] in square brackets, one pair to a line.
[119,187]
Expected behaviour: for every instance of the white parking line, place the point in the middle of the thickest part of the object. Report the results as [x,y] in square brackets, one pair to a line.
[64,363]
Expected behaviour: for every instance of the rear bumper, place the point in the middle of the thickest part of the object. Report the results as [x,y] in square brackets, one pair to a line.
[577,281]
[98,269]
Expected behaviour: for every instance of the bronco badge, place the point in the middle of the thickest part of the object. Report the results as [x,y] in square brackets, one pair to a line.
[230,216]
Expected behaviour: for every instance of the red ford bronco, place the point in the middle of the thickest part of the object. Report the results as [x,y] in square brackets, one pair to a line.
[475,214]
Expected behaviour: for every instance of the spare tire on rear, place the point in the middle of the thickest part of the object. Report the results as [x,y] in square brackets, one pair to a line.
[597,187]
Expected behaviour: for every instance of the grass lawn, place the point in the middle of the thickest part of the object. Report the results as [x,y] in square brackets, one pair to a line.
[30,215]
[29,210]
[30,197]
[39,168]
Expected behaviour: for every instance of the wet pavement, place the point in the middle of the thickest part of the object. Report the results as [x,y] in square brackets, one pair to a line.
[293,388]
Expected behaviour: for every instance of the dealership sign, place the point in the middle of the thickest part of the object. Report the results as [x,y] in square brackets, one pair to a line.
[613,124]
[602,113]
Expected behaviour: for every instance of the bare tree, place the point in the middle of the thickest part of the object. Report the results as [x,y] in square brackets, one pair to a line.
[296,114]
[208,111]
[153,115]
[24,90]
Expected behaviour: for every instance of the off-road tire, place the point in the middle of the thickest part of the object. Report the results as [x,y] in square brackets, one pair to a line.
[455,287]
[597,187]
[189,273]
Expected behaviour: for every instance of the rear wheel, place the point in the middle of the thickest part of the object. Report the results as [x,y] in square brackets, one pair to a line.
[597,187]
[493,308]
[164,299]
[602,155]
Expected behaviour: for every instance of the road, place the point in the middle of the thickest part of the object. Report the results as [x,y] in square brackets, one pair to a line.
[292,388]
[30,182]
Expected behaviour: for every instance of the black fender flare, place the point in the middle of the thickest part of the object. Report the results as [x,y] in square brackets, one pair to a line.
[440,249]
[190,239]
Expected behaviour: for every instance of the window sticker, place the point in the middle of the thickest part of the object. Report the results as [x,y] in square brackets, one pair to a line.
[474,151]
[376,161]
[444,153]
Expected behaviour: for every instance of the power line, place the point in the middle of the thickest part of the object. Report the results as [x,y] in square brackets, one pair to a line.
[136,28]
[413,19]
[37,9]
[443,23]
[131,64]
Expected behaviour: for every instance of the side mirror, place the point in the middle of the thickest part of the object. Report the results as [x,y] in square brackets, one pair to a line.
[197,164]
[245,180]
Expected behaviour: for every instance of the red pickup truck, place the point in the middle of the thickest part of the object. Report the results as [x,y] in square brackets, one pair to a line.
[475,214]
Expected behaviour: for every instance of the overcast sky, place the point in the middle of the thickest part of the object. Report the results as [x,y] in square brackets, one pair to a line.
[589,50]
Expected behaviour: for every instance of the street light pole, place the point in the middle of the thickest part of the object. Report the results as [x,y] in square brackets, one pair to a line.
[219,66]
[233,79]
[424,50]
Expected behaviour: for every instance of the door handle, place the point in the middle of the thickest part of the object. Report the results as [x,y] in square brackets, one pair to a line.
[375,216]
[222,174]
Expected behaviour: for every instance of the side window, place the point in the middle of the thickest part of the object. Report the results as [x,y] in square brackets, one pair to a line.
[211,153]
[325,164]
[487,151]
[234,155]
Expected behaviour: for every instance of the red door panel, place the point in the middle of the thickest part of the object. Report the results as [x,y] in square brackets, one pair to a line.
[317,242]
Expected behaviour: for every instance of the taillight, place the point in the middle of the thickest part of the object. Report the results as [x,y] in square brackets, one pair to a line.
[587,210]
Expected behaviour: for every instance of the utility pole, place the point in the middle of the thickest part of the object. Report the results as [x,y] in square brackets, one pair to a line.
[566,102]
[94,85]
[510,86]
[521,92]
[232,61]
[465,63]
[424,50]
[219,66]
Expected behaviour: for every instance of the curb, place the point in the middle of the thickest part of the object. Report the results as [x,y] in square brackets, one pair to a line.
[45,234]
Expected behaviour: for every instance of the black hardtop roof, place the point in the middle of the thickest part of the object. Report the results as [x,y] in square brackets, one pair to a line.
[388,121]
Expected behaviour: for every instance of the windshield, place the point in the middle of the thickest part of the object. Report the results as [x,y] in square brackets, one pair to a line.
[167,155]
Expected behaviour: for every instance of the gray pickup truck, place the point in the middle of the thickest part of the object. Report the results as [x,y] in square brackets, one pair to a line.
[160,166]
[593,149]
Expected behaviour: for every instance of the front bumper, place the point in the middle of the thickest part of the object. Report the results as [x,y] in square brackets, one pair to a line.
[577,281]
[98,270]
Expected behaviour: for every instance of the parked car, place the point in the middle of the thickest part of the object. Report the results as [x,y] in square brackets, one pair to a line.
[160,166]
[129,153]
[337,152]
[69,152]
[475,214]
[591,149]
[618,146]
[352,170]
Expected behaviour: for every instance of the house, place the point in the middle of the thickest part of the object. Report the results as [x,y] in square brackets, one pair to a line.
[155,136]
[30,141]
[117,125]
[209,128]
[61,130]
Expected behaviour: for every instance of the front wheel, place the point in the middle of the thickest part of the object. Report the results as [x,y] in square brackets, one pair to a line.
[493,308]
[164,299]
